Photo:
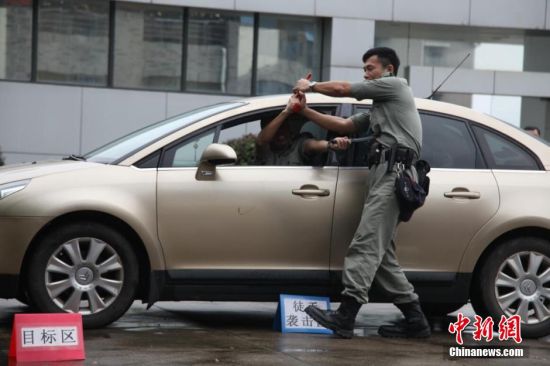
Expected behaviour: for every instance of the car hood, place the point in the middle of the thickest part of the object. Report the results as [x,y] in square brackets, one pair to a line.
[15,172]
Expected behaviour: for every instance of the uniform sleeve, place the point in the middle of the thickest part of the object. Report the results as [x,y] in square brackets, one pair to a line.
[378,89]
[361,121]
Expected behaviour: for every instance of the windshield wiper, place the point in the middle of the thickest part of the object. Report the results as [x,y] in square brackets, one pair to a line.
[75,157]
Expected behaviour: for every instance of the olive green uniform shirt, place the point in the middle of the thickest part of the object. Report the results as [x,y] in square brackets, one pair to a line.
[394,117]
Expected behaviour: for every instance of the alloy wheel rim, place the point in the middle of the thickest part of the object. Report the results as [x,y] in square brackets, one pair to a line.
[522,286]
[84,275]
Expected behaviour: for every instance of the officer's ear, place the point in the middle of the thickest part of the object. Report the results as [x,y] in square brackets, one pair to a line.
[390,69]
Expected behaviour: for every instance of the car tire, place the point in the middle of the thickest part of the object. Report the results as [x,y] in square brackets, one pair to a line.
[88,268]
[515,279]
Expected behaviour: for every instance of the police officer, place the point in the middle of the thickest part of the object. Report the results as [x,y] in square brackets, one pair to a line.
[394,120]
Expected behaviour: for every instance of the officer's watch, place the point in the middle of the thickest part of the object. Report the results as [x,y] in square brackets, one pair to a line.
[312,85]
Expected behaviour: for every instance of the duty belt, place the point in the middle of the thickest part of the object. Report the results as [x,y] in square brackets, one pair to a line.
[397,154]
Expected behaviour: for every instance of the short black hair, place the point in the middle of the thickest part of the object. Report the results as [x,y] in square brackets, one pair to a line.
[386,55]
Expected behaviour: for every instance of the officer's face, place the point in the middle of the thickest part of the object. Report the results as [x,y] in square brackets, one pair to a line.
[374,69]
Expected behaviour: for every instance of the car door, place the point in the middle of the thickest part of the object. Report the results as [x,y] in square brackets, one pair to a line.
[253,221]
[463,197]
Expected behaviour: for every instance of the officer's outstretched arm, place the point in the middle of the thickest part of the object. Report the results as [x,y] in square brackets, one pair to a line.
[331,88]
[342,126]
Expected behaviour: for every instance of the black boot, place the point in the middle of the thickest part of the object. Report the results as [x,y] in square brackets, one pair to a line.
[415,324]
[340,321]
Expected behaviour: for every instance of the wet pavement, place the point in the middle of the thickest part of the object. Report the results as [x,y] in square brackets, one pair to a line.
[241,333]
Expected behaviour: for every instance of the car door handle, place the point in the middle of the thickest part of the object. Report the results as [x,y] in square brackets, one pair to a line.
[463,194]
[311,192]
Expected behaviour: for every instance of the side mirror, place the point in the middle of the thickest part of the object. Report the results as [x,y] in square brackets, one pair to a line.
[213,155]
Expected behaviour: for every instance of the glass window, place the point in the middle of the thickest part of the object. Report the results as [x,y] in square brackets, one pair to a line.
[360,151]
[242,138]
[73,41]
[502,153]
[286,147]
[148,46]
[446,46]
[446,143]
[288,48]
[219,51]
[188,153]
[137,140]
[15,39]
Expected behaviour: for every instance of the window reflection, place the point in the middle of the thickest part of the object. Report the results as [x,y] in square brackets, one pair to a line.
[15,42]
[444,46]
[73,41]
[148,46]
[219,52]
[288,48]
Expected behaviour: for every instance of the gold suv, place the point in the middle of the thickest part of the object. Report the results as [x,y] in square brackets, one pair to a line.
[185,210]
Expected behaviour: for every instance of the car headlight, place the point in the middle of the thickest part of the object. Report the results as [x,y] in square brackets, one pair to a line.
[13,187]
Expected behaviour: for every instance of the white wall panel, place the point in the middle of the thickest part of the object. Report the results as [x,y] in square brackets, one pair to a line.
[109,114]
[509,13]
[474,81]
[351,74]
[351,38]
[420,80]
[432,11]
[534,84]
[216,4]
[38,118]
[366,9]
[301,7]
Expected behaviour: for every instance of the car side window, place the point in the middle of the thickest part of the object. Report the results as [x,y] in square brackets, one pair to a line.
[502,153]
[360,151]
[447,143]
[188,152]
[242,138]
[285,149]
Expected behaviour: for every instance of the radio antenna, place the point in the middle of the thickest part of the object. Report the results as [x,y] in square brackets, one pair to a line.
[448,76]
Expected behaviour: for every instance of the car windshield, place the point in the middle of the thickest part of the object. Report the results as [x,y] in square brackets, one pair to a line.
[117,150]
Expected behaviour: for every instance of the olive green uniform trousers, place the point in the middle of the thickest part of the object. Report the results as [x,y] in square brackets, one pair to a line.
[371,254]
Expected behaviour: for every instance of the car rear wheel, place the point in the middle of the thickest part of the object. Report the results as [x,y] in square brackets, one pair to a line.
[86,268]
[516,280]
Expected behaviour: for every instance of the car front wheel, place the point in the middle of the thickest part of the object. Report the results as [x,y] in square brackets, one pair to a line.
[515,280]
[86,268]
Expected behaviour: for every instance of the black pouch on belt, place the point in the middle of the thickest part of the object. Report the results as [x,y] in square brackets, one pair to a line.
[410,194]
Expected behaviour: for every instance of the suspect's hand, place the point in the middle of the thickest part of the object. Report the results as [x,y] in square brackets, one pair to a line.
[339,143]
[296,102]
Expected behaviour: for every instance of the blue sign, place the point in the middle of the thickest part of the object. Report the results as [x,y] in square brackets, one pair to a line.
[291,317]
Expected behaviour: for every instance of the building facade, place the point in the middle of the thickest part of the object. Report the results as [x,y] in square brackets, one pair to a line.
[75,74]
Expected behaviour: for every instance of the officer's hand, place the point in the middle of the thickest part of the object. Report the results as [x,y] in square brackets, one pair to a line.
[339,143]
[301,85]
[296,102]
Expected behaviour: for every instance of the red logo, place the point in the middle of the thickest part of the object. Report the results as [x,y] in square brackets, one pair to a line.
[458,327]
[508,328]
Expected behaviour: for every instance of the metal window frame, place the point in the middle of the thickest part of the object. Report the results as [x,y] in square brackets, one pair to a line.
[253,91]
